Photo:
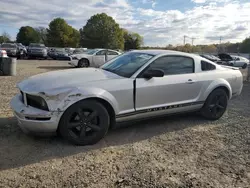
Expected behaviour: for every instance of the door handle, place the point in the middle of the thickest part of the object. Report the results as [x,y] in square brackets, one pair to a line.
[190,81]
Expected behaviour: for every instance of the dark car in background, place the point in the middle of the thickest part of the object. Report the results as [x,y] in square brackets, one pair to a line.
[14,50]
[37,50]
[235,61]
[59,54]
[211,58]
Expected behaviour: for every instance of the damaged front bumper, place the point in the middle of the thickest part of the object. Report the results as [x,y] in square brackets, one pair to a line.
[73,63]
[33,120]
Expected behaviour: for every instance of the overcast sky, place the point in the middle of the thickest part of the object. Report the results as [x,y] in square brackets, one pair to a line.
[160,22]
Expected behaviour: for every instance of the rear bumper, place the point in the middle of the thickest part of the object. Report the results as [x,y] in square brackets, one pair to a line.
[32,120]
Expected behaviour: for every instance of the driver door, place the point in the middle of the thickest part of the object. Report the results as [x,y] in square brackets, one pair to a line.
[99,58]
[179,84]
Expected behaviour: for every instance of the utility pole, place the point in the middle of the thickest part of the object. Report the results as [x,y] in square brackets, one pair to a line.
[220,39]
[185,39]
[193,40]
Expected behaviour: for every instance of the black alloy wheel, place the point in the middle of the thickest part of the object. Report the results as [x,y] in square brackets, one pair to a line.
[84,123]
[83,63]
[215,105]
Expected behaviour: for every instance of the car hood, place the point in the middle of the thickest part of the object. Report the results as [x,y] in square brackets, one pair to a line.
[225,57]
[70,78]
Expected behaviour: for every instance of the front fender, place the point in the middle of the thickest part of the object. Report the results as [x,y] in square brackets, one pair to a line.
[215,84]
[62,100]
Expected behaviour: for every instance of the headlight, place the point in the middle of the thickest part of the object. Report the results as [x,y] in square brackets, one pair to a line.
[37,102]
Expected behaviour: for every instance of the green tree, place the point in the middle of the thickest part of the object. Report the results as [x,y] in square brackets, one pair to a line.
[60,34]
[245,46]
[5,37]
[27,35]
[102,31]
[132,40]
[42,32]
[196,49]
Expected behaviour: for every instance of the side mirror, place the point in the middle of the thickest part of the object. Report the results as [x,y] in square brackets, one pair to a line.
[153,73]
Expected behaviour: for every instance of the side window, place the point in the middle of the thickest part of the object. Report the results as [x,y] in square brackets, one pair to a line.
[112,53]
[205,66]
[172,65]
[102,52]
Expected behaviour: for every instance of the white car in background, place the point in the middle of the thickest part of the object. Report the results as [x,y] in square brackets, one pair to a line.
[239,61]
[3,53]
[93,58]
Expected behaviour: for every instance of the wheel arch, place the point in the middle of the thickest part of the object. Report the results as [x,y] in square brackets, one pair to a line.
[220,84]
[109,107]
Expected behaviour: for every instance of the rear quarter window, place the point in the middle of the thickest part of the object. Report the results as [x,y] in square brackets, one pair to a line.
[206,66]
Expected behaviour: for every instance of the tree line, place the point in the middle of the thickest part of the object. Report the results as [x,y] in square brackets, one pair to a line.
[100,31]
[240,47]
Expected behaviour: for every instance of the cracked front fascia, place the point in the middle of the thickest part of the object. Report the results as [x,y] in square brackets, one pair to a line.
[58,100]
[55,97]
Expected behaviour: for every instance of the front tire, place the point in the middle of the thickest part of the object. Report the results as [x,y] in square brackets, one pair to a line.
[83,63]
[215,105]
[84,123]
[244,66]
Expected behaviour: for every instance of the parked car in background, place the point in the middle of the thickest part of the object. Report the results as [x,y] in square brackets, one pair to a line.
[83,104]
[93,58]
[239,61]
[3,53]
[22,47]
[76,52]
[37,50]
[211,57]
[233,60]
[59,54]
[69,50]
[13,50]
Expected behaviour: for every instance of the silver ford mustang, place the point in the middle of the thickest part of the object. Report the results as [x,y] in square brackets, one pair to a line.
[82,104]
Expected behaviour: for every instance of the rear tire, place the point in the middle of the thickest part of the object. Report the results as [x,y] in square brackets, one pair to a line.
[215,105]
[84,123]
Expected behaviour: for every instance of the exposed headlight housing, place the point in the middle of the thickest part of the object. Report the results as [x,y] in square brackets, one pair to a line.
[37,102]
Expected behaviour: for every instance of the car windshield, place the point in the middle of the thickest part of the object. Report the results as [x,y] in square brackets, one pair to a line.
[36,45]
[79,51]
[91,52]
[8,46]
[127,64]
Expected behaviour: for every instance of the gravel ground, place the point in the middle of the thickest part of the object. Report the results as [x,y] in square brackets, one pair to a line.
[178,151]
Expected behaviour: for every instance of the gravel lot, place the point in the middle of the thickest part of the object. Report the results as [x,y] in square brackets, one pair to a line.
[179,151]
